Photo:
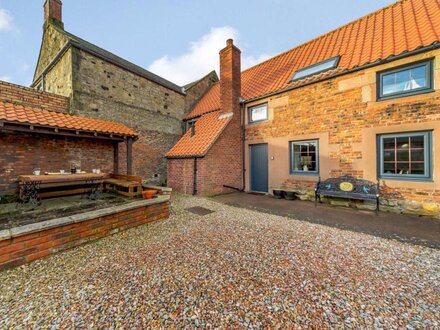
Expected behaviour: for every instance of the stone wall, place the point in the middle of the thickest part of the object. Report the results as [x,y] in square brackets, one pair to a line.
[345,116]
[16,94]
[31,242]
[52,42]
[22,153]
[59,79]
[105,91]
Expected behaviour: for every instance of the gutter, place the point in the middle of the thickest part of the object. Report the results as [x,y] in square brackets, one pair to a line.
[359,68]
[52,63]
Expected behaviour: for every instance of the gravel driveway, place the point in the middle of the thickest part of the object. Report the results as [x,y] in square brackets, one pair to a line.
[233,268]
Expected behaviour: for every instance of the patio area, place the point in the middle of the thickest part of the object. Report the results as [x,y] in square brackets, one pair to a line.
[222,266]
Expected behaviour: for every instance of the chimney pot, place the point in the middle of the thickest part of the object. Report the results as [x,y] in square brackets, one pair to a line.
[229,42]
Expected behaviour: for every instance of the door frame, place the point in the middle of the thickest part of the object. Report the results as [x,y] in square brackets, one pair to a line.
[250,167]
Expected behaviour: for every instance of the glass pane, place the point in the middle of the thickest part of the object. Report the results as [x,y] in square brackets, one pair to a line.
[402,155]
[402,143]
[417,155]
[328,64]
[389,168]
[418,168]
[259,113]
[389,143]
[304,156]
[388,156]
[402,168]
[405,80]
[417,142]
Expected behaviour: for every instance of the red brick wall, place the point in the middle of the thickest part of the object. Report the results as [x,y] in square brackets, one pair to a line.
[181,174]
[30,97]
[22,153]
[27,248]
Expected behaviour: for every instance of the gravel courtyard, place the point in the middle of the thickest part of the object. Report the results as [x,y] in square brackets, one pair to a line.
[233,268]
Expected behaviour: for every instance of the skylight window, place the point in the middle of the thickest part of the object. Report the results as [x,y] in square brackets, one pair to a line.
[316,68]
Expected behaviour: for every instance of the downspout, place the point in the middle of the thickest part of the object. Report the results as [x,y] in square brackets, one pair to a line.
[243,144]
[195,177]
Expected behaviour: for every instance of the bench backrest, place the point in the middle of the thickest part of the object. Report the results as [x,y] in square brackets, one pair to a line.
[126,177]
[346,185]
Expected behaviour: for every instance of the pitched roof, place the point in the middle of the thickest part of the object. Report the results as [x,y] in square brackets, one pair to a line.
[19,114]
[207,130]
[396,29]
[119,61]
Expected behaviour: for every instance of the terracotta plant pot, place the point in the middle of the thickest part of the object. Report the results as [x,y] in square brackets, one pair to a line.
[278,194]
[149,194]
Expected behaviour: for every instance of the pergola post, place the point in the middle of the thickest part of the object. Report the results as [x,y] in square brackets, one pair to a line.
[129,156]
[116,157]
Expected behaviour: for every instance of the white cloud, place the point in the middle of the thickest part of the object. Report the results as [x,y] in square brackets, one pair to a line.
[5,20]
[201,57]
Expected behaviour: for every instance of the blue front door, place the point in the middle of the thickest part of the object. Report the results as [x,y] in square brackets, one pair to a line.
[259,167]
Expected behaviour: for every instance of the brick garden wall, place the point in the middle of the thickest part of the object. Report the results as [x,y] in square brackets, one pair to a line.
[22,153]
[25,248]
[16,94]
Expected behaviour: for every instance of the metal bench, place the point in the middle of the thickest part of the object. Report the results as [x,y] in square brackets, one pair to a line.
[350,188]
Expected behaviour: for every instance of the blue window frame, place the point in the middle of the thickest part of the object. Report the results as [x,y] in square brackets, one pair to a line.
[405,156]
[313,69]
[405,81]
[258,113]
[304,157]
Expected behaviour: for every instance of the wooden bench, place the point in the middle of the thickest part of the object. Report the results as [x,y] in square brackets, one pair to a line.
[126,185]
[32,188]
[350,188]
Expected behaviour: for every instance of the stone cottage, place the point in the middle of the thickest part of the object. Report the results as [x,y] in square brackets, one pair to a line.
[104,86]
[362,100]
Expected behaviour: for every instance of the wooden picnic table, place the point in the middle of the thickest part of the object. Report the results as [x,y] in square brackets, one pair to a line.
[44,186]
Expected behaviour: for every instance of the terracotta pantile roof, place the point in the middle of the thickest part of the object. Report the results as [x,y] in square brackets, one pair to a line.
[208,128]
[25,115]
[401,27]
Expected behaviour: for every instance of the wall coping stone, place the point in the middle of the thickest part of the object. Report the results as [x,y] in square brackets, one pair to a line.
[53,223]
[160,188]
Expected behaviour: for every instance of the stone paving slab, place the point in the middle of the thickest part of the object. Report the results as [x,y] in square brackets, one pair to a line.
[413,229]
[231,269]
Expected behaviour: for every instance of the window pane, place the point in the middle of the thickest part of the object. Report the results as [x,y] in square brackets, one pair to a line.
[388,156]
[389,143]
[389,168]
[417,142]
[405,80]
[325,65]
[402,168]
[402,155]
[259,113]
[417,155]
[402,143]
[418,168]
[304,156]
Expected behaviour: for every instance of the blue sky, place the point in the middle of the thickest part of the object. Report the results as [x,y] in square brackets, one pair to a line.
[178,39]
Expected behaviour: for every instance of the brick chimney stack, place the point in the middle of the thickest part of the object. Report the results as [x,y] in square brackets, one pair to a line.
[230,78]
[53,13]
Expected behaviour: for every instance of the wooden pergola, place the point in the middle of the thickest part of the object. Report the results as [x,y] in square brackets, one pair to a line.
[49,130]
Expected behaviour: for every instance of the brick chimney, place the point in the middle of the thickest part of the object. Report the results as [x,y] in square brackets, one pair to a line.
[230,79]
[53,13]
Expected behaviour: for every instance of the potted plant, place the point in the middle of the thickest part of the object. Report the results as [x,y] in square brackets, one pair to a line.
[289,195]
[149,194]
[278,193]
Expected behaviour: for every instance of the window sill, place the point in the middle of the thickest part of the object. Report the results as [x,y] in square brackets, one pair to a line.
[258,122]
[427,180]
[304,173]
